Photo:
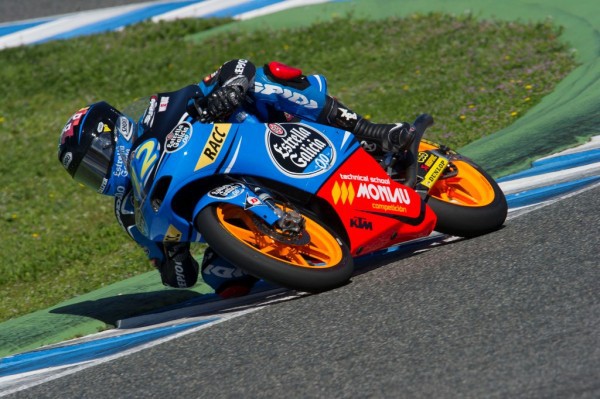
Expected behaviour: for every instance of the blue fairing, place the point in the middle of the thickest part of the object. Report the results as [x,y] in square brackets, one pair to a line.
[240,195]
[302,155]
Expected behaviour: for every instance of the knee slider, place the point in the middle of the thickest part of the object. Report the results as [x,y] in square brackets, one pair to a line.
[221,275]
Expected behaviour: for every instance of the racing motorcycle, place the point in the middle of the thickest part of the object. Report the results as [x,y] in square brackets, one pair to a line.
[294,203]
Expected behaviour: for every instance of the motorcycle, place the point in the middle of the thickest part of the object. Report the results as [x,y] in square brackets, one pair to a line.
[294,203]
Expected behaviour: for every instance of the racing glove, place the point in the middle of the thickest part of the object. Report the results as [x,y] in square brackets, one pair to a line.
[219,104]
[401,136]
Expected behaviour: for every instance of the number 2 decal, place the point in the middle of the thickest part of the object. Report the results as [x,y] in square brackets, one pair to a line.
[147,151]
[145,158]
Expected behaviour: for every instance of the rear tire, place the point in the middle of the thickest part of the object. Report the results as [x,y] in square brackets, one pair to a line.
[321,264]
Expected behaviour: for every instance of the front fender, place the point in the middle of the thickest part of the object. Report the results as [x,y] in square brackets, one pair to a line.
[240,195]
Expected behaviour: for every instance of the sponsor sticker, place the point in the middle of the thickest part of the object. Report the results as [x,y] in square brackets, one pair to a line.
[150,111]
[379,196]
[228,191]
[434,172]
[383,193]
[103,185]
[120,166]
[124,127]
[433,165]
[287,93]
[343,192]
[178,137]
[213,146]
[172,234]
[276,129]
[68,131]
[299,150]
[67,159]
[361,223]
[347,115]
[164,103]
[240,66]
[251,201]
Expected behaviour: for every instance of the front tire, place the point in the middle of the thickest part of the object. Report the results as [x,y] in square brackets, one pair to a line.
[468,204]
[321,264]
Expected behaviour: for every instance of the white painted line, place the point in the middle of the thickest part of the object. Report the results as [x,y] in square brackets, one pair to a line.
[20,382]
[278,7]
[547,179]
[199,10]
[520,211]
[63,24]
[213,309]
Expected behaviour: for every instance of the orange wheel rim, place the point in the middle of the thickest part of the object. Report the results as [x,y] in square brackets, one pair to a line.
[468,188]
[323,250]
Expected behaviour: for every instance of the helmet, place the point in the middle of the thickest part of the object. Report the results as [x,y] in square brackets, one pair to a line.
[87,144]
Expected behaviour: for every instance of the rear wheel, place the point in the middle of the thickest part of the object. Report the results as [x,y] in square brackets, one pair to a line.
[313,260]
[469,202]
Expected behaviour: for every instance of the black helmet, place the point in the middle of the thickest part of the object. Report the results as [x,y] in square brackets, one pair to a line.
[86,147]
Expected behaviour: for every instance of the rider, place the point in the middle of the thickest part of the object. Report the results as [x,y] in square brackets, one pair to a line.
[96,141]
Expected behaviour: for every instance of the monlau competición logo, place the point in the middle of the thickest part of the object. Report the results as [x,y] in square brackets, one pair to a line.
[346,193]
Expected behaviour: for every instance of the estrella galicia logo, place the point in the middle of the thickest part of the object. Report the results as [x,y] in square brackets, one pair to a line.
[228,191]
[299,150]
[178,137]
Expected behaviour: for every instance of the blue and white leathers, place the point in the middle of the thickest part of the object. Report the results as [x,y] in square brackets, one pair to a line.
[305,103]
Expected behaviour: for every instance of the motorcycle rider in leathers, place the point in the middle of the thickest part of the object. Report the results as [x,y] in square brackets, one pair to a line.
[96,141]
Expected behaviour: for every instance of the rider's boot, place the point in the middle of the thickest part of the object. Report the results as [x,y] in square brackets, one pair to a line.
[178,269]
[375,137]
[227,280]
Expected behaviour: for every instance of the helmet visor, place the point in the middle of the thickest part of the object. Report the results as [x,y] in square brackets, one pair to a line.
[97,161]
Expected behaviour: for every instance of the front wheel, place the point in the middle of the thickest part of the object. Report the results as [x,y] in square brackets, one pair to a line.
[469,202]
[315,260]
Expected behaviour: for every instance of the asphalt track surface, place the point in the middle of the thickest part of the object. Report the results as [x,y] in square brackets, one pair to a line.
[511,314]
[16,10]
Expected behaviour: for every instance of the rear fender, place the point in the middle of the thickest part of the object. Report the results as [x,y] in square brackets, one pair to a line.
[240,195]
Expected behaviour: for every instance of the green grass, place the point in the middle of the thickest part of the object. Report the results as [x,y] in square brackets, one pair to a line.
[60,240]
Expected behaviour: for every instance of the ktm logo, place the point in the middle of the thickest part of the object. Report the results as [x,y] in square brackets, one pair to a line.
[361,223]
[343,192]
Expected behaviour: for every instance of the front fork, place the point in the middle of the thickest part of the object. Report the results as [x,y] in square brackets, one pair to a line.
[290,221]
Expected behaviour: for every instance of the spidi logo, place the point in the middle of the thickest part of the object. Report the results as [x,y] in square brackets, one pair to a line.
[292,96]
